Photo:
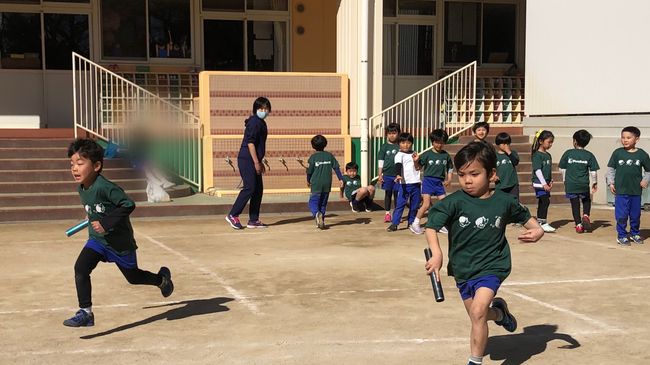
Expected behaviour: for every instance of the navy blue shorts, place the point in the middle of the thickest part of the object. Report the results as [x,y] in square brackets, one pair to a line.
[128,261]
[541,192]
[468,289]
[389,183]
[577,195]
[433,186]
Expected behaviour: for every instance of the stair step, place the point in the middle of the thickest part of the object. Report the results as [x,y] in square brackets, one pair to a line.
[492,135]
[35,143]
[521,148]
[62,175]
[51,163]
[72,197]
[62,186]
[44,152]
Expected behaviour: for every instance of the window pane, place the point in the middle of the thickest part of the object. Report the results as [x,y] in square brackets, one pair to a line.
[67,1]
[123,29]
[223,45]
[388,56]
[461,32]
[169,29]
[20,40]
[278,5]
[389,7]
[417,7]
[223,5]
[415,47]
[64,34]
[267,46]
[499,33]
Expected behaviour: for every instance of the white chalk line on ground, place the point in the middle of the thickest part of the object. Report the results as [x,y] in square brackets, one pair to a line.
[613,245]
[232,291]
[457,341]
[581,316]
[330,292]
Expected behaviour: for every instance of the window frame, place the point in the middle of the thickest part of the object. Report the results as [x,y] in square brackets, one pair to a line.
[480,62]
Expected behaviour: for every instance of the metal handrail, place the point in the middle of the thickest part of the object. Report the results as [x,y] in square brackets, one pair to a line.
[115,109]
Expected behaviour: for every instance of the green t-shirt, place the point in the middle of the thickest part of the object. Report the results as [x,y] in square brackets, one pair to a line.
[321,165]
[100,200]
[577,162]
[350,184]
[542,161]
[387,153]
[477,241]
[436,164]
[628,170]
[506,171]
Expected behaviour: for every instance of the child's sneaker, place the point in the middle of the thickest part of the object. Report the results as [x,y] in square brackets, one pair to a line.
[234,222]
[320,221]
[387,218]
[443,230]
[256,224]
[580,228]
[392,228]
[166,286]
[415,228]
[355,206]
[637,239]
[586,223]
[509,322]
[80,319]
[547,228]
[623,241]
[368,204]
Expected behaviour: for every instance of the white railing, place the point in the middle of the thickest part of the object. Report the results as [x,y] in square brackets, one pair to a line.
[114,109]
[449,103]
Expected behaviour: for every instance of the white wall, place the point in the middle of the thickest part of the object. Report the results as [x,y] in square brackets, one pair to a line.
[587,57]
[21,93]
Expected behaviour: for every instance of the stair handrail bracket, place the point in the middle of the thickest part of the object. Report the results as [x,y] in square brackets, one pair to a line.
[449,103]
[112,108]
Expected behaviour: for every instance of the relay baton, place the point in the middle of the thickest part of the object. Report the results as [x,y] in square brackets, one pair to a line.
[76,228]
[435,281]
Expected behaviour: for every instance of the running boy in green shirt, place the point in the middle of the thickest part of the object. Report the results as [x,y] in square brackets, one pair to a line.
[625,179]
[479,254]
[437,165]
[110,232]
[319,177]
[578,166]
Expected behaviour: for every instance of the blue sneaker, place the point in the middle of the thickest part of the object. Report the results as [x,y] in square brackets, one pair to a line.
[80,319]
[166,286]
[234,222]
[509,322]
[623,241]
[636,239]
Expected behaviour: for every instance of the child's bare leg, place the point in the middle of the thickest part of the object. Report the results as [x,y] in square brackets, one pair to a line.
[361,194]
[479,312]
[426,203]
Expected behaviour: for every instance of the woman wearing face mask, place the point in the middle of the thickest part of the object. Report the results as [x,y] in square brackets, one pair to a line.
[251,168]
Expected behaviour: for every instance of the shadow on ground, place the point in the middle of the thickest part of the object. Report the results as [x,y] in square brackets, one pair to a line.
[299,219]
[349,222]
[517,348]
[561,223]
[190,308]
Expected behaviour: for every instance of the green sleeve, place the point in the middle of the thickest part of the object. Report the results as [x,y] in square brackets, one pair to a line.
[381,155]
[123,207]
[518,212]
[593,163]
[450,163]
[310,165]
[335,163]
[440,214]
[536,162]
[612,161]
[563,160]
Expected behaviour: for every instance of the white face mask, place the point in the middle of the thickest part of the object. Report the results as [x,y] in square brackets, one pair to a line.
[262,114]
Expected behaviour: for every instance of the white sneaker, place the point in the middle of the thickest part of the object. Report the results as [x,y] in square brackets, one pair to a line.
[547,228]
[443,230]
[415,228]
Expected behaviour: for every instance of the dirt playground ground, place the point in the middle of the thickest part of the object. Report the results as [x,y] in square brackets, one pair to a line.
[290,294]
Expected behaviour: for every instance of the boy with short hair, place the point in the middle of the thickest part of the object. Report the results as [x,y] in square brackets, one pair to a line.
[360,197]
[386,164]
[480,130]
[319,178]
[479,254]
[507,160]
[437,165]
[110,232]
[578,166]
[625,179]
[408,180]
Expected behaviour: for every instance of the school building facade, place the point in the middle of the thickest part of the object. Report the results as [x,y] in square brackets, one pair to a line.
[576,64]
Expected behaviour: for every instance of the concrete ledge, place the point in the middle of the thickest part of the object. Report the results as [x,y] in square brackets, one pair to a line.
[20,121]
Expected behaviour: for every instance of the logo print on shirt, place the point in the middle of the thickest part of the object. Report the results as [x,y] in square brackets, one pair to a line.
[497,221]
[481,222]
[87,208]
[463,221]
[629,162]
[638,163]
[621,162]
[99,208]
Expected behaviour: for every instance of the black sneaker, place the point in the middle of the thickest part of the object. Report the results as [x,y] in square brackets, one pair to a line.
[80,319]
[392,228]
[320,220]
[509,322]
[355,206]
[623,241]
[166,286]
[636,239]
